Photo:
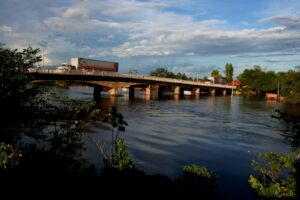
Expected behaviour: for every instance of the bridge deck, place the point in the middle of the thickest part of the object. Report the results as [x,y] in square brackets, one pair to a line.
[115,76]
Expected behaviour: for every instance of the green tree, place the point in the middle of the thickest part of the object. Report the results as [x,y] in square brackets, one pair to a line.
[160,72]
[215,73]
[258,80]
[229,72]
[290,86]
[181,76]
[9,156]
[268,81]
[14,66]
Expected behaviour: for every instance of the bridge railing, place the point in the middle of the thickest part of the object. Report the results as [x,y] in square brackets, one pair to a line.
[129,76]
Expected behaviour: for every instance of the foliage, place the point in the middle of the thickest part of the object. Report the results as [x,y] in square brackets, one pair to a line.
[119,158]
[229,72]
[14,65]
[290,85]
[200,171]
[198,180]
[54,130]
[9,156]
[258,80]
[215,73]
[267,81]
[277,172]
[163,72]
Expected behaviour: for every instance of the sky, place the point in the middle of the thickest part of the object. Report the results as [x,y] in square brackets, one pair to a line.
[187,36]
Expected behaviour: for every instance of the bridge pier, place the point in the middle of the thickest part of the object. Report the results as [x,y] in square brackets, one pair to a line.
[131,92]
[196,91]
[97,93]
[212,92]
[178,92]
[224,92]
[153,92]
[113,92]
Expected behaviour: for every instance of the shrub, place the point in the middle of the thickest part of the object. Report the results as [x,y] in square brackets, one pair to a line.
[277,175]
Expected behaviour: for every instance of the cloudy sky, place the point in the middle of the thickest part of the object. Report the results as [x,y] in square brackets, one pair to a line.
[191,36]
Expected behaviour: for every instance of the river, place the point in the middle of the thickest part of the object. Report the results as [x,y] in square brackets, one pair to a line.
[222,133]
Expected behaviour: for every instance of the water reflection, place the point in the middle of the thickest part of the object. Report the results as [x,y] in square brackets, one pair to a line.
[218,132]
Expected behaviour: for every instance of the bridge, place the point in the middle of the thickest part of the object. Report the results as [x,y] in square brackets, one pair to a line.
[154,86]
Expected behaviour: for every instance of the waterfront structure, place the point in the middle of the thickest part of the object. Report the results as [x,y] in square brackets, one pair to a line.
[154,86]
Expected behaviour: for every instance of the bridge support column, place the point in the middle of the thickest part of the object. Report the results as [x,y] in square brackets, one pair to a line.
[153,92]
[178,92]
[97,93]
[212,92]
[131,92]
[156,92]
[196,91]
[224,92]
[113,92]
[148,93]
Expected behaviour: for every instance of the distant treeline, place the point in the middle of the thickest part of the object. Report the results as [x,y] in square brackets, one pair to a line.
[163,72]
[260,81]
[254,79]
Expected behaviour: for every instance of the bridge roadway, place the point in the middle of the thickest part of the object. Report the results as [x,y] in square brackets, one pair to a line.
[115,80]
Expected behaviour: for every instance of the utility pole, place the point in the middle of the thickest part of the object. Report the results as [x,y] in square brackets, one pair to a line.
[278,92]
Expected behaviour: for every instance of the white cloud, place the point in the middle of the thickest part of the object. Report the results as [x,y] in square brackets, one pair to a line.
[75,12]
[290,22]
[134,29]
[5,29]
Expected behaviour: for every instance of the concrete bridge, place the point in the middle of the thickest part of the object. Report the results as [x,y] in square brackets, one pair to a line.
[113,81]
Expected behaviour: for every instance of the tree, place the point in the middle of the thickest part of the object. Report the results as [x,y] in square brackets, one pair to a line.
[252,78]
[215,73]
[161,72]
[14,66]
[268,81]
[290,85]
[229,72]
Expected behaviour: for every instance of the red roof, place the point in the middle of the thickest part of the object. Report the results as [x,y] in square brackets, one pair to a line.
[236,83]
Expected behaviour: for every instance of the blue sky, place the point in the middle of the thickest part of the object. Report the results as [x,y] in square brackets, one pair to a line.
[191,36]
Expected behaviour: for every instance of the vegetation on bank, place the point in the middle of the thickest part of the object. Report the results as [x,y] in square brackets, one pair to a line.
[164,72]
[255,79]
[261,82]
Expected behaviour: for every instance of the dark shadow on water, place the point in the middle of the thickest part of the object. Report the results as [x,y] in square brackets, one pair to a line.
[292,124]
[136,182]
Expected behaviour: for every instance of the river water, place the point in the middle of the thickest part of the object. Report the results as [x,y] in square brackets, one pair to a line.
[221,133]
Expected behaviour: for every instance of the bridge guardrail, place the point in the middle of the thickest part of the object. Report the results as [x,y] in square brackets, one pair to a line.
[129,76]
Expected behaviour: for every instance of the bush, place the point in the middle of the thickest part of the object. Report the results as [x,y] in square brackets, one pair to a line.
[277,175]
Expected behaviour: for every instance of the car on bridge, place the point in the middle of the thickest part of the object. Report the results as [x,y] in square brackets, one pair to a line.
[65,66]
